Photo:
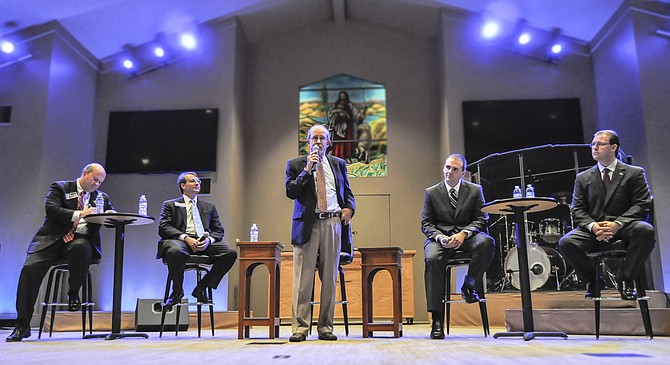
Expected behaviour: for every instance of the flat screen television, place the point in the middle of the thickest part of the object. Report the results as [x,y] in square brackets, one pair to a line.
[162,141]
[496,126]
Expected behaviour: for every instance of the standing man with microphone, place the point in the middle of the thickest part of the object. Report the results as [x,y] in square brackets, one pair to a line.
[322,203]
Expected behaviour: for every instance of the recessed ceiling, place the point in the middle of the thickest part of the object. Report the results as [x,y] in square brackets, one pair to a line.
[104,26]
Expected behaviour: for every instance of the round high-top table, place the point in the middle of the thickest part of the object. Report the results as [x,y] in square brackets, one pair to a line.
[119,221]
[518,207]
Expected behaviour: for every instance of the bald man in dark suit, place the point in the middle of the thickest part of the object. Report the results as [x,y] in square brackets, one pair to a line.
[609,203]
[64,235]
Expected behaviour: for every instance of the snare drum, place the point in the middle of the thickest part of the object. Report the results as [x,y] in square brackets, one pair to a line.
[551,230]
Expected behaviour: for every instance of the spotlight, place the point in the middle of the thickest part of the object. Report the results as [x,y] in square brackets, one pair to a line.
[557,48]
[7,47]
[188,41]
[524,38]
[159,52]
[127,63]
[490,30]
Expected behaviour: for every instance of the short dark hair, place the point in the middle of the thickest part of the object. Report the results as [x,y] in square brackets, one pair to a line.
[613,138]
[182,179]
[460,157]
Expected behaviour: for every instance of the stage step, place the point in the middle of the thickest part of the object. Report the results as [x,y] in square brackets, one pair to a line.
[613,321]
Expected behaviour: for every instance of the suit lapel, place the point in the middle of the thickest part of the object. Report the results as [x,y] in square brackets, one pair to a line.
[182,210]
[460,198]
[444,195]
[617,175]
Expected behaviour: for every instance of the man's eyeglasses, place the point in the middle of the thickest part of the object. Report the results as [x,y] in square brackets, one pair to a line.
[197,181]
[599,144]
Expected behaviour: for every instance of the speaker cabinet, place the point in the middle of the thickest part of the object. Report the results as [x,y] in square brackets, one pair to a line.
[148,316]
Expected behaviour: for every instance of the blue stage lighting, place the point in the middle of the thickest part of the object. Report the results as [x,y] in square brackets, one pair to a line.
[490,30]
[188,41]
[7,47]
[127,63]
[159,52]
[525,38]
[556,48]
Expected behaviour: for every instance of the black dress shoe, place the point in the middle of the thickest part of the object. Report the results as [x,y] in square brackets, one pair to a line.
[327,336]
[73,302]
[200,294]
[469,295]
[297,337]
[626,290]
[20,332]
[437,330]
[174,298]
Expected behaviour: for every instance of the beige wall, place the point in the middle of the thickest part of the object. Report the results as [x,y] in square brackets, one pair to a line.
[255,87]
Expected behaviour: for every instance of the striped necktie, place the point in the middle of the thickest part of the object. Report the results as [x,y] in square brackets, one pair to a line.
[452,197]
[80,206]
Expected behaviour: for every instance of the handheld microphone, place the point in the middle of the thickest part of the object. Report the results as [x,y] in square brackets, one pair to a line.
[315,148]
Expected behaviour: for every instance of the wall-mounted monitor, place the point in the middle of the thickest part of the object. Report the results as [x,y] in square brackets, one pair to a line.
[162,141]
[495,126]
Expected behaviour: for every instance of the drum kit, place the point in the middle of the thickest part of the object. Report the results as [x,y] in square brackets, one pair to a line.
[548,269]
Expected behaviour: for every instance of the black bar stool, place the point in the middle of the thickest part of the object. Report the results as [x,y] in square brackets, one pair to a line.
[55,276]
[462,258]
[599,259]
[200,264]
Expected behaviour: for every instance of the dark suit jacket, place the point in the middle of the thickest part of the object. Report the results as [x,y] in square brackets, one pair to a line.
[59,211]
[172,223]
[301,188]
[438,217]
[627,200]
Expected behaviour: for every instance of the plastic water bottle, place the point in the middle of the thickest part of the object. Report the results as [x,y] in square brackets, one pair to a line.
[143,205]
[517,192]
[530,191]
[253,233]
[99,204]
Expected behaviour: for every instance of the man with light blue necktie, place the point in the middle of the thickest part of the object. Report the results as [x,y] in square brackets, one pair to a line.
[190,226]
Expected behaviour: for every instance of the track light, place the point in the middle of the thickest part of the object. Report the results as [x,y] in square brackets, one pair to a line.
[188,41]
[490,30]
[7,47]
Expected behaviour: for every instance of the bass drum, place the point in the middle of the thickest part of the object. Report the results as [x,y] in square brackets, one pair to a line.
[543,263]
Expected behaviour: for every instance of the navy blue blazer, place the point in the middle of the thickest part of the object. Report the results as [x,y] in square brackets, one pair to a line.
[300,187]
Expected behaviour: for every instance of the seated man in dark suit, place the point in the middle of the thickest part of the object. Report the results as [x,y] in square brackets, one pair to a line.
[63,235]
[190,226]
[452,219]
[610,202]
